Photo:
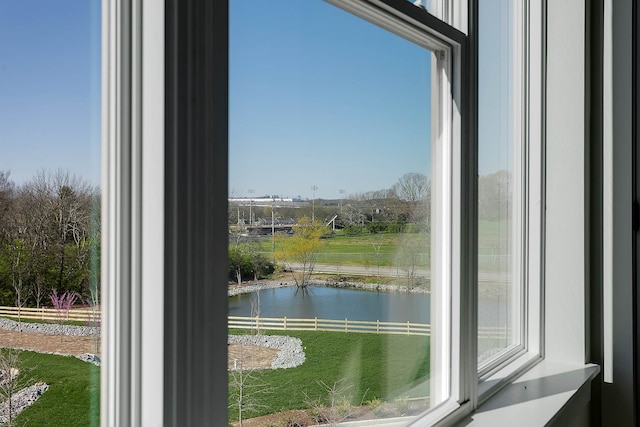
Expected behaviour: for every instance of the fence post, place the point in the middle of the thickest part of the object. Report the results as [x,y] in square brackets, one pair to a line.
[346,326]
[377,326]
[408,328]
[285,323]
[315,323]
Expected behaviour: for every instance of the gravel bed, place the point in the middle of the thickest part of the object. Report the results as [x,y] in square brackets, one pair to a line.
[245,289]
[290,349]
[378,287]
[50,328]
[21,401]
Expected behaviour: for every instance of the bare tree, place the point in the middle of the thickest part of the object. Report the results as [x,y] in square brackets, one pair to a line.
[415,189]
[18,250]
[412,187]
[495,196]
[411,248]
[8,382]
[33,209]
[68,205]
[13,379]
[353,214]
[94,322]
[336,406]
[7,190]
[377,253]
[49,237]
[247,390]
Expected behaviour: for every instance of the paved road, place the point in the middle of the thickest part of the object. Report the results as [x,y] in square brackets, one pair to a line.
[389,271]
[363,270]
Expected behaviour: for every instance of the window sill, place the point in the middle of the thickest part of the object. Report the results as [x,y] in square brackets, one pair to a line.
[541,396]
[550,393]
[493,383]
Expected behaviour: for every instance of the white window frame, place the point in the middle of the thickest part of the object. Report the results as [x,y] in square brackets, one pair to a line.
[447,314]
[528,242]
[133,209]
[165,172]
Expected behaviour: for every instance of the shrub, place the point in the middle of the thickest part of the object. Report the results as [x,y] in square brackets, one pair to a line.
[402,404]
[250,264]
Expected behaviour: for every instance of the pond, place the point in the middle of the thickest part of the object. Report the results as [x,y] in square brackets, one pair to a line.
[326,302]
[335,303]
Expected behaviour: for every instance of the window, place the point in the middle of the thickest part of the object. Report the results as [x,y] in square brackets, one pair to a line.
[50,197]
[499,195]
[509,191]
[320,95]
[181,227]
[508,186]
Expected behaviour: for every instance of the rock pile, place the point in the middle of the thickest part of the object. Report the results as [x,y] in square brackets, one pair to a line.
[50,328]
[290,349]
[89,358]
[21,400]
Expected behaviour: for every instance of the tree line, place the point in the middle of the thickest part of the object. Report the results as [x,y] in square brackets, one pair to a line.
[404,207]
[49,238]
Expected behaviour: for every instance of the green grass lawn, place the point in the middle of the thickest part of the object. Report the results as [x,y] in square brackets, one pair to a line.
[384,367]
[73,398]
[386,249]
[371,366]
[382,249]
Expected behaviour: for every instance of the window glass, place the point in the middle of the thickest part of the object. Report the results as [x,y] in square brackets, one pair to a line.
[434,7]
[49,212]
[499,193]
[335,165]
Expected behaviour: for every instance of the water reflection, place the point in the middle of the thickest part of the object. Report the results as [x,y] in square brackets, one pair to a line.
[326,302]
[335,303]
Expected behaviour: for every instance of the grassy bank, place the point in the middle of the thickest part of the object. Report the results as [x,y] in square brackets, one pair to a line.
[386,249]
[73,398]
[365,366]
[383,249]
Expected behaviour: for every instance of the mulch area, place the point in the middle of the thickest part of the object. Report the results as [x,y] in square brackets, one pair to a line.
[249,356]
[49,343]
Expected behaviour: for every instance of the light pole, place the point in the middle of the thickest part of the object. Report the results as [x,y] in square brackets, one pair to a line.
[250,191]
[341,197]
[273,233]
[313,203]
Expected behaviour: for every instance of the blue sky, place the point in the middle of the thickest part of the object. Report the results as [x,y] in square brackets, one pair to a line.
[317,97]
[320,97]
[50,87]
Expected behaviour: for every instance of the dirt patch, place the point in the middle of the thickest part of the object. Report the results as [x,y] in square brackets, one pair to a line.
[250,356]
[62,344]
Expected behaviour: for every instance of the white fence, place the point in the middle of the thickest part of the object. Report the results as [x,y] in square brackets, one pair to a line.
[346,325]
[52,315]
[315,324]
[285,323]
